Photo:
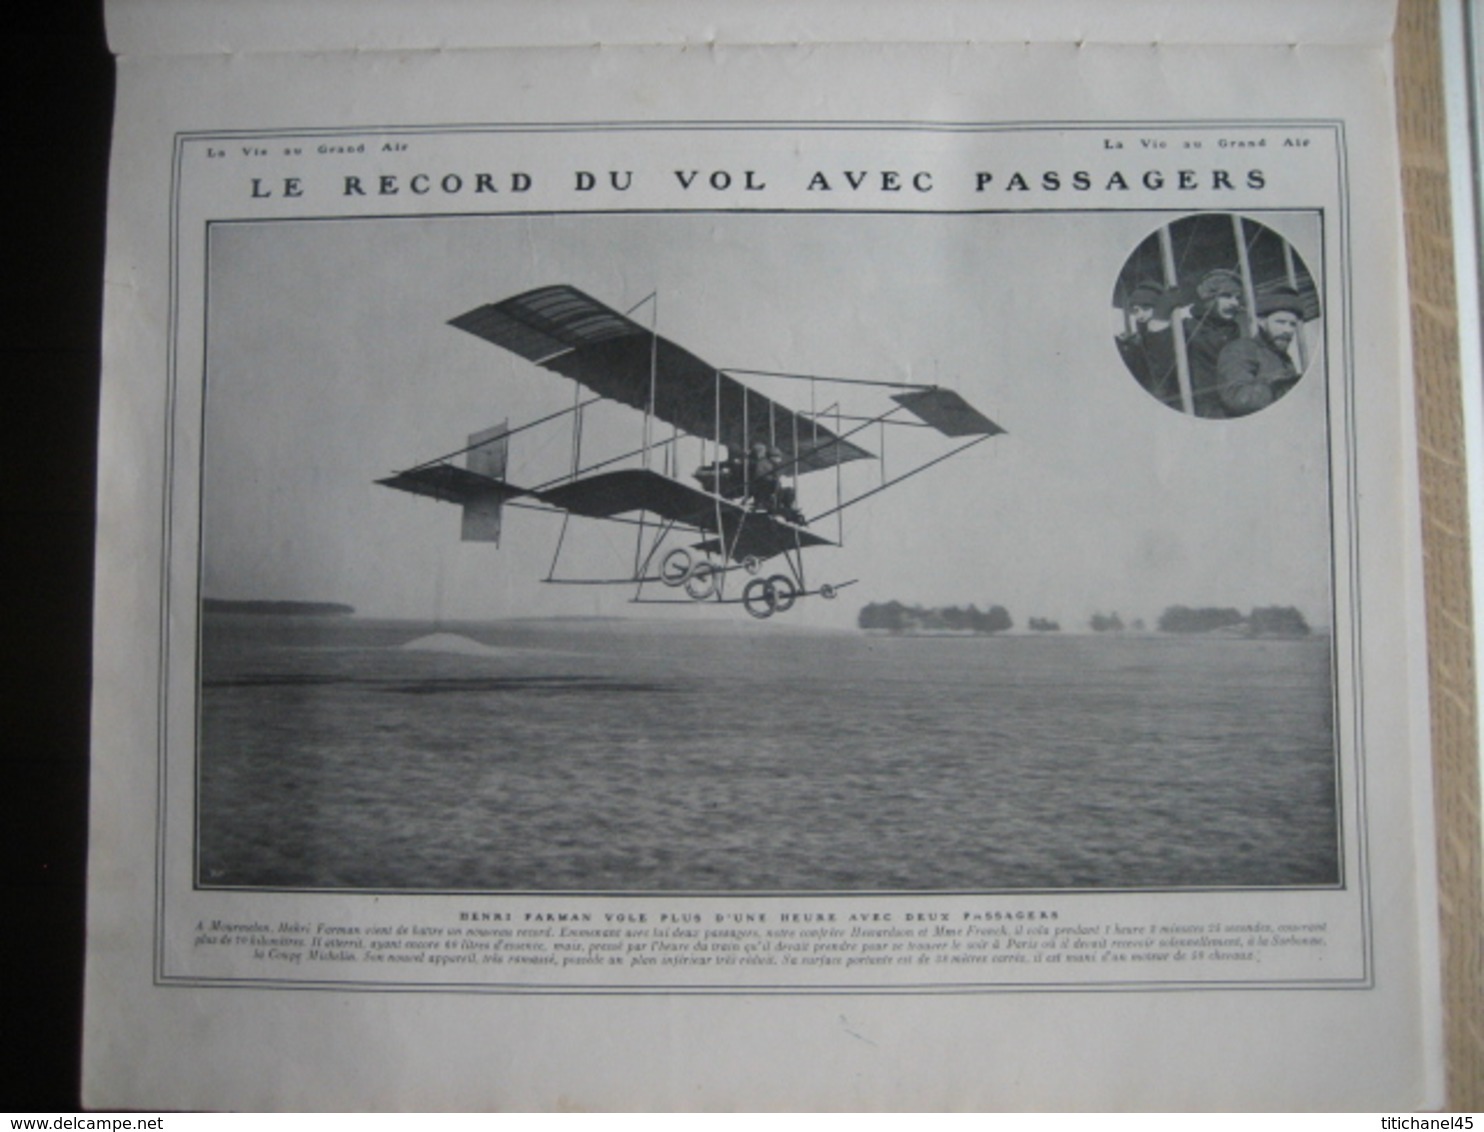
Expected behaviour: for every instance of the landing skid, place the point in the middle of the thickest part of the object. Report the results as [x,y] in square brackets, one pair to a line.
[761,597]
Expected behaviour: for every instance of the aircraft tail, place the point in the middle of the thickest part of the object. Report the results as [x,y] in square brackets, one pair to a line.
[479,487]
[488,455]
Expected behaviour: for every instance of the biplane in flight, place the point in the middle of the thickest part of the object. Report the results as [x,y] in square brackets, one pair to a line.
[705,539]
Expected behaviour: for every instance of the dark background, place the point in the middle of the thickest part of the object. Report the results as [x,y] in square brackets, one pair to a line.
[57,111]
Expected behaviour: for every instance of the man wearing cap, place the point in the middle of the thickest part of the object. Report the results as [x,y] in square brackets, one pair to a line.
[1211,322]
[1134,345]
[1214,323]
[768,489]
[1254,372]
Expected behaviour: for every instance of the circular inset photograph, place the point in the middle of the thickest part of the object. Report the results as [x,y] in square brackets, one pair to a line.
[1216,315]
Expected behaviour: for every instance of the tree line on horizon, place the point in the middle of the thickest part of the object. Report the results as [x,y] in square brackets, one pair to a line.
[1263,621]
[895,617]
[278,608]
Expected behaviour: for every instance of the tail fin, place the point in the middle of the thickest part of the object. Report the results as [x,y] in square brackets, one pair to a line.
[488,455]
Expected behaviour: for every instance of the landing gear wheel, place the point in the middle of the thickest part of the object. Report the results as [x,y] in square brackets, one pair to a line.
[675,568]
[752,563]
[757,598]
[702,581]
[828,592]
[784,593]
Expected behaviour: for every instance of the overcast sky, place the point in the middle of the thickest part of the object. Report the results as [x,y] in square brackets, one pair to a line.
[330,363]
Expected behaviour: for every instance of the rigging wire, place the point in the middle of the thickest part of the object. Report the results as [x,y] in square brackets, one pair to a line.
[812,377]
[508,433]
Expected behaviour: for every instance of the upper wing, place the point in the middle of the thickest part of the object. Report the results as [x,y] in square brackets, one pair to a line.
[562,329]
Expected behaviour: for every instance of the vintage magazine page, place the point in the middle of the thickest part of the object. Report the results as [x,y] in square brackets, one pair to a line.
[760,574]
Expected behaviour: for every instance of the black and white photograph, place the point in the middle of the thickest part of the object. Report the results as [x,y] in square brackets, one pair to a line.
[1246,306]
[729,558]
[716,553]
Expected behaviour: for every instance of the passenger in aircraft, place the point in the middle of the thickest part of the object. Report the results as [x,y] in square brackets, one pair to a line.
[1212,322]
[1254,372]
[769,491]
[1134,344]
[727,478]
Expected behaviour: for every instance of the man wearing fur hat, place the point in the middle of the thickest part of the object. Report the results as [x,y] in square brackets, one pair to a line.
[1255,372]
[1211,323]
[1134,345]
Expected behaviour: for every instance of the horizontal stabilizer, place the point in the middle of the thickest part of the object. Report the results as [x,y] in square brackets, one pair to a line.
[947,412]
[480,489]
[481,497]
[451,484]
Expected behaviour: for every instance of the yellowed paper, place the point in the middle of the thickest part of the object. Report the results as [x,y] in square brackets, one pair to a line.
[499,839]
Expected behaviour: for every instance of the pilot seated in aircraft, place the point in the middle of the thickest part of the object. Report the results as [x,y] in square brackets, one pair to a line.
[727,478]
[754,477]
[769,492]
